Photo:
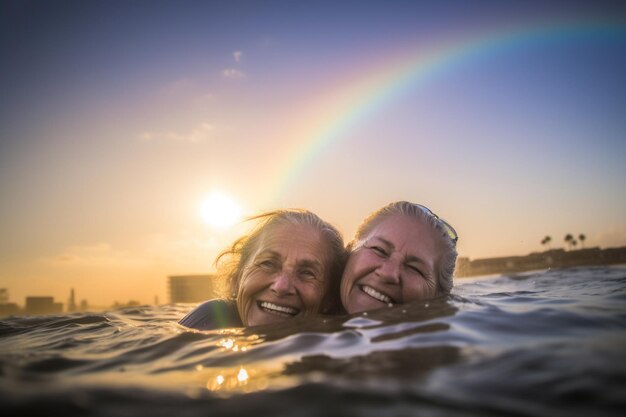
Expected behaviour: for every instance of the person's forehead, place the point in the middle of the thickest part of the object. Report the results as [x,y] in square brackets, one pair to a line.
[288,237]
[404,232]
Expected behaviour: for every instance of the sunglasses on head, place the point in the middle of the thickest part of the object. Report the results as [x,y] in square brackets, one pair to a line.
[445,225]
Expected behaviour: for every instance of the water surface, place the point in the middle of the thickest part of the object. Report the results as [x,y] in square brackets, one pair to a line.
[545,343]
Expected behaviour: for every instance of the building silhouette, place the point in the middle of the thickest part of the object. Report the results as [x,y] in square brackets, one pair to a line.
[193,288]
[71,302]
[7,308]
[554,258]
[42,305]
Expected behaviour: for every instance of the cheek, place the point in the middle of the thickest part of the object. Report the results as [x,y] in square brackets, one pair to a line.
[417,290]
[312,295]
[346,281]
[352,274]
[356,267]
[250,284]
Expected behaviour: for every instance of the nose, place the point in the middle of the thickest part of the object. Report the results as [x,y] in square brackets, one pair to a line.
[282,284]
[389,271]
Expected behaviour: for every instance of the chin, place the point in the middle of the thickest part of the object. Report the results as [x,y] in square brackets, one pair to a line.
[268,320]
[359,306]
[260,318]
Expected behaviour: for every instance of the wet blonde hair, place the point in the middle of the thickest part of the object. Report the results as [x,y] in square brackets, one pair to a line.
[232,261]
[447,260]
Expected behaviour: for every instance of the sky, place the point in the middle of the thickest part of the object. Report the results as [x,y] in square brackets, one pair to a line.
[118,119]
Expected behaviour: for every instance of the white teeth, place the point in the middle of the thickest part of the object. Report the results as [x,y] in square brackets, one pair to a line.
[273,308]
[375,294]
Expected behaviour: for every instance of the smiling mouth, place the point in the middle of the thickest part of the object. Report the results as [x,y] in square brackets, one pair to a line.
[272,308]
[376,294]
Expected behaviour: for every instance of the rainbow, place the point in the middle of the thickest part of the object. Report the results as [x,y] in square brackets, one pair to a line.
[347,105]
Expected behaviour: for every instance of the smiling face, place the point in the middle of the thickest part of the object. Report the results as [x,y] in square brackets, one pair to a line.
[395,263]
[285,277]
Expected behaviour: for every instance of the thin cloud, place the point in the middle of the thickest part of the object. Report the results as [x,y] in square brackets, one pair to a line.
[237,55]
[200,134]
[233,73]
[183,251]
[173,253]
[179,85]
[99,255]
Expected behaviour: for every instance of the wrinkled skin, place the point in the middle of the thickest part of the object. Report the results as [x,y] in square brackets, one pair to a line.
[396,263]
[286,277]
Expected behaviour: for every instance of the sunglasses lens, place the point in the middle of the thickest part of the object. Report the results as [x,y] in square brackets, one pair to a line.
[449,229]
[451,232]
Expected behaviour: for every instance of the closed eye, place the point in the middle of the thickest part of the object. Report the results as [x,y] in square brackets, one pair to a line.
[308,274]
[415,269]
[268,265]
[378,250]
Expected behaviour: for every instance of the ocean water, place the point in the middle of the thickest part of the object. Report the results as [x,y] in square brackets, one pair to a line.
[546,343]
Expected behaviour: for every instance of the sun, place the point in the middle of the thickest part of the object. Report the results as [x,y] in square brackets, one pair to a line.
[220,211]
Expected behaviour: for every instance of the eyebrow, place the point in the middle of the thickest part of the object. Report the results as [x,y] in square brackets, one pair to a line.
[268,253]
[408,258]
[312,263]
[385,241]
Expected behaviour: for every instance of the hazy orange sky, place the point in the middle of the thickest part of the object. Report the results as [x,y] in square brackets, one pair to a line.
[118,119]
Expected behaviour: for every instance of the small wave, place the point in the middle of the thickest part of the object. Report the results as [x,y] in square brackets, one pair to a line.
[538,344]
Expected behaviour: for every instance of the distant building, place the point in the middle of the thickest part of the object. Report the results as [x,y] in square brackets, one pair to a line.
[193,288]
[555,258]
[42,305]
[9,309]
[71,302]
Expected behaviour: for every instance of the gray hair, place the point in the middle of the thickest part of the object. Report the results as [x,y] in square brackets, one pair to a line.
[447,260]
[232,261]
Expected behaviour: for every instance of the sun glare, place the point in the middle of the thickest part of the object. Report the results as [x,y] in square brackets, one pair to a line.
[220,211]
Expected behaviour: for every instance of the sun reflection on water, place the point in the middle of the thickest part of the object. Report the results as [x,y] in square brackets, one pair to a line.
[242,376]
[227,343]
[235,379]
[235,346]
[219,379]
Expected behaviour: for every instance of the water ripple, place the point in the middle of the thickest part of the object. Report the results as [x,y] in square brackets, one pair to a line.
[537,344]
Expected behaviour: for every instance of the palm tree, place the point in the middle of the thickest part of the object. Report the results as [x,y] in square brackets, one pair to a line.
[568,239]
[582,238]
[574,243]
[548,239]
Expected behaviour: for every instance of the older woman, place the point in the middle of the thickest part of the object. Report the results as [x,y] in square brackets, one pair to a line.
[288,267]
[400,253]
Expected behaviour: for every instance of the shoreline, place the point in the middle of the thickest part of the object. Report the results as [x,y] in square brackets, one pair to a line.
[554,258]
